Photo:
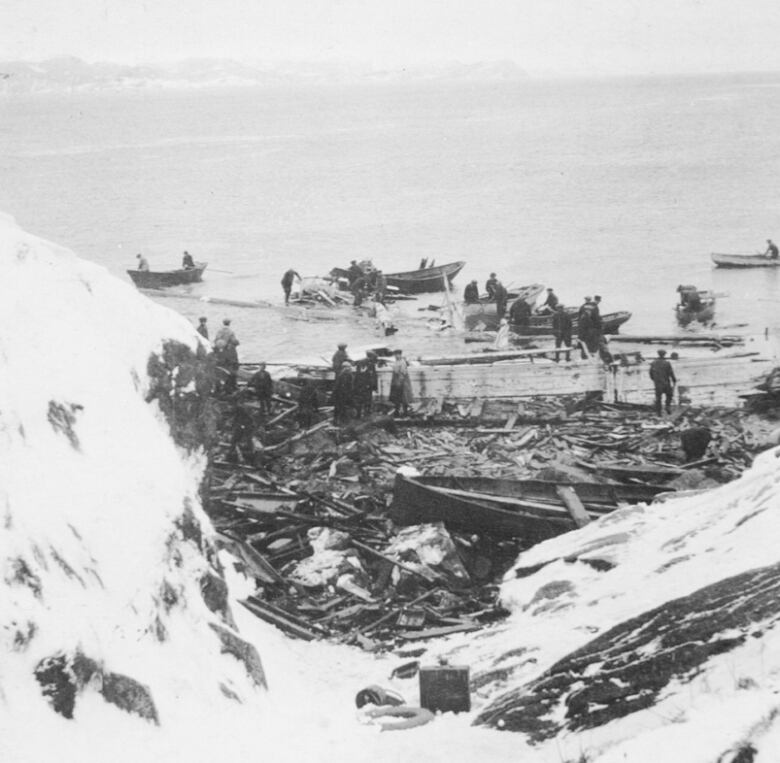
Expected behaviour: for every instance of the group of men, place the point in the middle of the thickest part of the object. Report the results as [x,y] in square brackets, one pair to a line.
[363,282]
[495,292]
[354,386]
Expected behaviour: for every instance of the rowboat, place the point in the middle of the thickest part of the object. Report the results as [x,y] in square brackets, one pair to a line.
[744,261]
[151,279]
[531,509]
[484,312]
[425,280]
[542,324]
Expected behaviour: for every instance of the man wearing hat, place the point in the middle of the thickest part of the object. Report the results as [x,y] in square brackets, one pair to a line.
[471,293]
[202,328]
[339,357]
[662,374]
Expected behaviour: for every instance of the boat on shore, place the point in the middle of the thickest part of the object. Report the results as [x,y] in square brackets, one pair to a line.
[424,280]
[160,279]
[744,261]
[532,509]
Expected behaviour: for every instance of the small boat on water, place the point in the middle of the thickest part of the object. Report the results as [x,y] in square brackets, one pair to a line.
[532,509]
[744,261]
[695,305]
[159,279]
[542,324]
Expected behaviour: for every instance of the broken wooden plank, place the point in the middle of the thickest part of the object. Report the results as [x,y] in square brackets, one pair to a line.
[281,622]
[573,503]
[438,632]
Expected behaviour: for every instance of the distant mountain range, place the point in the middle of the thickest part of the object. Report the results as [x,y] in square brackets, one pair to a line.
[68,74]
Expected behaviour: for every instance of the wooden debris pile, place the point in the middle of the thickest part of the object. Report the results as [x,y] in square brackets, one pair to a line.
[330,568]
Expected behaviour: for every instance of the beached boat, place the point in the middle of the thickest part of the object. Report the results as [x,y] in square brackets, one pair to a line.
[425,280]
[744,261]
[158,279]
[531,509]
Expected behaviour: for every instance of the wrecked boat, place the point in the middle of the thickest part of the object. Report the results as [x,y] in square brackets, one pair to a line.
[532,509]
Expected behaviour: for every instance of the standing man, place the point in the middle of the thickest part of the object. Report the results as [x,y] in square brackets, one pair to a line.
[225,344]
[339,357]
[380,287]
[400,385]
[562,327]
[490,287]
[354,272]
[263,387]
[143,263]
[662,374]
[287,283]
[308,403]
[520,313]
[500,294]
[343,393]
[549,304]
[471,293]
[771,250]
[187,262]
[202,329]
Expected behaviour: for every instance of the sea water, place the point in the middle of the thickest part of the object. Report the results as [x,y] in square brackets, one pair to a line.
[620,187]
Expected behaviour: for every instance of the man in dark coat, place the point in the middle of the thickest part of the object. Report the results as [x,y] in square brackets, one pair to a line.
[287,282]
[520,313]
[308,404]
[490,287]
[365,384]
[354,272]
[562,328]
[203,329]
[187,262]
[500,294]
[262,387]
[337,361]
[471,293]
[549,304]
[343,393]
[662,374]
[772,250]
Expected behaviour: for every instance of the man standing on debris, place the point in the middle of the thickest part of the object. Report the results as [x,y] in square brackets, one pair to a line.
[262,386]
[339,357]
[562,328]
[400,385]
[662,374]
[225,344]
[203,329]
[471,293]
[343,393]
[308,404]
[365,384]
[380,287]
[287,283]
[353,272]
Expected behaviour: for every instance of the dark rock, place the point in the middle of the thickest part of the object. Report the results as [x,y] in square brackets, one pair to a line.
[638,658]
[58,683]
[243,651]
[129,695]
[214,591]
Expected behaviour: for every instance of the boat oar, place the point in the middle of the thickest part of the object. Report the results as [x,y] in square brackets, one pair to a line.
[216,270]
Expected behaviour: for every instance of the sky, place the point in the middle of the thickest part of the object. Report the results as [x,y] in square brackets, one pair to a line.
[541,36]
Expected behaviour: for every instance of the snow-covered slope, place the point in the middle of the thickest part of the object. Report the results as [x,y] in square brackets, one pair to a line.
[113,610]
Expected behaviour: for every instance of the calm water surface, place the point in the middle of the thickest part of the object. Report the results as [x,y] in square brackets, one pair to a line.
[616,187]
